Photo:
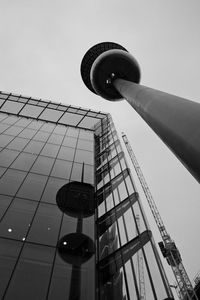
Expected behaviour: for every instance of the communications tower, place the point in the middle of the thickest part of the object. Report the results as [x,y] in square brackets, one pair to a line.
[167,245]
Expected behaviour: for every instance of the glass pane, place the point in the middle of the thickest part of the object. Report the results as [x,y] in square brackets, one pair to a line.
[84,156]
[43,165]
[87,135]
[17,219]
[55,139]
[23,122]
[85,145]
[27,133]
[12,107]
[10,120]
[5,140]
[66,153]
[14,130]
[48,127]
[76,172]
[3,116]
[2,170]
[72,132]
[50,150]
[59,129]
[11,181]
[41,136]
[51,115]
[61,279]
[31,111]
[51,189]
[32,187]
[18,144]
[70,119]
[62,169]
[31,277]
[89,174]
[34,147]
[24,161]
[46,225]
[9,251]
[3,127]
[69,141]
[35,124]
[4,203]
[88,122]
[7,157]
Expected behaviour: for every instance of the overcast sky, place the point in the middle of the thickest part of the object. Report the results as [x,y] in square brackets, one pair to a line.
[42,45]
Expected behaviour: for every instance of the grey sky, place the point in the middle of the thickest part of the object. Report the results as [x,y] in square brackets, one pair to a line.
[42,45]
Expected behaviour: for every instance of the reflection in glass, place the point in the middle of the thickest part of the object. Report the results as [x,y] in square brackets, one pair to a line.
[9,251]
[45,225]
[17,219]
[62,169]
[11,181]
[32,187]
[31,277]
[51,189]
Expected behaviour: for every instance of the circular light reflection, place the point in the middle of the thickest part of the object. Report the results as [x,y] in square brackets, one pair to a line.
[9,229]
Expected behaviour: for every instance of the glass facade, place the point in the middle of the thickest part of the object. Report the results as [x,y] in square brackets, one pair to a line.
[71,222]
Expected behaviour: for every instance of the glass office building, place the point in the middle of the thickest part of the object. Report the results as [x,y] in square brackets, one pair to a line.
[71,222]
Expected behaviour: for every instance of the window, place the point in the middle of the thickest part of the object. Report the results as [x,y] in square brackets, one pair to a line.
[10,182]
[55,139]
[50,150]
[46,225]
[32,187]
[24,161]
[86,135]
[23,122]
[72,132]
[85,145]
[88,122]
[12,107]
[10,120]
[70,119]
[51,114]
[4,203]
[41,136]
[5,140]
[18,144]
[62,169]
[43,165]
[27,133]
[59,129]
[9,251]
[14,130]
[35,124]
[69,141]
[16,222]
[34,147]
[7,157]
[76,172]
[51,189]
[31,111]
[3,127]
[48,127]
[66,153]
[31,277]
[84,156]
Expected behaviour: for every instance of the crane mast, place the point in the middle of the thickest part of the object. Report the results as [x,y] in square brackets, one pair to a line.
[140,267]
[167,245]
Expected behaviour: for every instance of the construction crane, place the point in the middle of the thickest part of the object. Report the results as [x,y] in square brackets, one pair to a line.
[167,245]
[140,267]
